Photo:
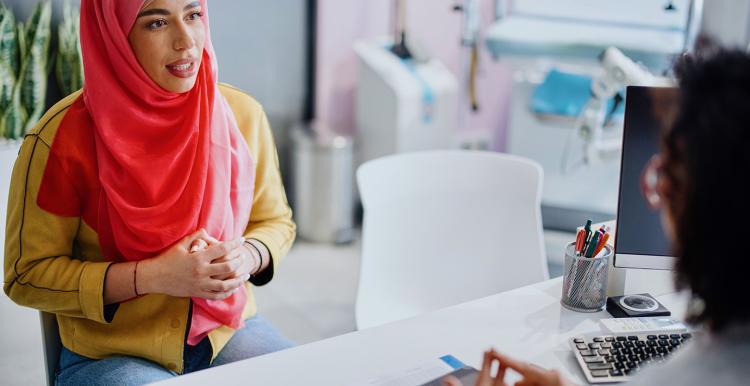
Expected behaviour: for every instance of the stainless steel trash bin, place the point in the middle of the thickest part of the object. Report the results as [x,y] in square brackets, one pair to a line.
[323,185]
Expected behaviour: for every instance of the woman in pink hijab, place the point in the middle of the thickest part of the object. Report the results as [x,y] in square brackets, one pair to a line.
[146,206]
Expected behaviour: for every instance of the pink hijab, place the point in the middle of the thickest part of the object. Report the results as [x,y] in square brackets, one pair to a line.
[167,164]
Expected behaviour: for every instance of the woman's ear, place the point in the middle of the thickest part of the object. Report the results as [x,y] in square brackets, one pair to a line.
[651,178]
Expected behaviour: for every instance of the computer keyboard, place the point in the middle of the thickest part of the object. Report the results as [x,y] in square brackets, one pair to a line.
[608,359]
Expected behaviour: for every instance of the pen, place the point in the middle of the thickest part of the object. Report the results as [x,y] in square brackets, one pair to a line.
[602,243]
[587,228]
[592,245]
[588,241]
[580,239]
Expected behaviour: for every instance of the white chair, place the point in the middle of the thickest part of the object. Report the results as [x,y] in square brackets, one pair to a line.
[52,345]
[444,227]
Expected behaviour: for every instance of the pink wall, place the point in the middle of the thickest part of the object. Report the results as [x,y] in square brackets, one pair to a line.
[436,26]
[340,24]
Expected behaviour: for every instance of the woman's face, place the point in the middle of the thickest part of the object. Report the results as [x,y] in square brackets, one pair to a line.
[168,39]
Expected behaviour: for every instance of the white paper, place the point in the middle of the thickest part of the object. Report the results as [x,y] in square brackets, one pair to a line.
[416,375]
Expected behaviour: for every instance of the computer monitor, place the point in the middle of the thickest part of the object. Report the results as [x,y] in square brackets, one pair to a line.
[640,241]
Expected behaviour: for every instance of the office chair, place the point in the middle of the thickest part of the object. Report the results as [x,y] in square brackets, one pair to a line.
[445,227]
[52,345]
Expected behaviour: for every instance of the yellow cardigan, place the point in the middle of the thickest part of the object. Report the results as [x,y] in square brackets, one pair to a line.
[55,264]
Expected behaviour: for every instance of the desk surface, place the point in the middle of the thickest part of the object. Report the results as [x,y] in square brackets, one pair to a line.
[528,323]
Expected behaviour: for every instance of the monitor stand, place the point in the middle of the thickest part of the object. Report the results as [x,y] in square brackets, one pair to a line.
[626,281]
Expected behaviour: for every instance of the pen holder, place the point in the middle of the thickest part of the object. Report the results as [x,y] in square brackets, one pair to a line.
[585,280]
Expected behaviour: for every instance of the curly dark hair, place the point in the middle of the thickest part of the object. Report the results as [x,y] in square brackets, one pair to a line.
[706,152]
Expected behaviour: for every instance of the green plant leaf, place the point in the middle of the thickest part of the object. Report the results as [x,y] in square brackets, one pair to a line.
[14,118]
[8,57]
[33,78]
[69,64]
[8,42]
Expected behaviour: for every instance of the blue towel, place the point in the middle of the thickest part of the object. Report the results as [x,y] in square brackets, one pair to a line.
[564,93]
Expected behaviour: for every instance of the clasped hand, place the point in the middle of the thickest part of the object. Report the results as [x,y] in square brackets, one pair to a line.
[201,266]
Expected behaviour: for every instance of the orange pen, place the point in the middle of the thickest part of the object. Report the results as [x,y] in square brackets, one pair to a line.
[601,243]
[580,239]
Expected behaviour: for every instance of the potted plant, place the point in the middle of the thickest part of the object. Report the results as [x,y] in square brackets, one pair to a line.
[69,63]
[29,90]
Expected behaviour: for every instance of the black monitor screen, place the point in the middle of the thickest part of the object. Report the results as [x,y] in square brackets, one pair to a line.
[639,230]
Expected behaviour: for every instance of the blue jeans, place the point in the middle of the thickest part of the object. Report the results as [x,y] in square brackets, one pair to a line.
[258,337]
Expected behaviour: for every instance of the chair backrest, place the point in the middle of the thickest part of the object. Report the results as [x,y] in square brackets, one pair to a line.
[444,227]
[52,345]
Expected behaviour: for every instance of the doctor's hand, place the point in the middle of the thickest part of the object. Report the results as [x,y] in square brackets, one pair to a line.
[532,375]
[178,272]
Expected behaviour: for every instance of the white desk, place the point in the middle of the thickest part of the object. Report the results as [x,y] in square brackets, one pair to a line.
[528,323]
